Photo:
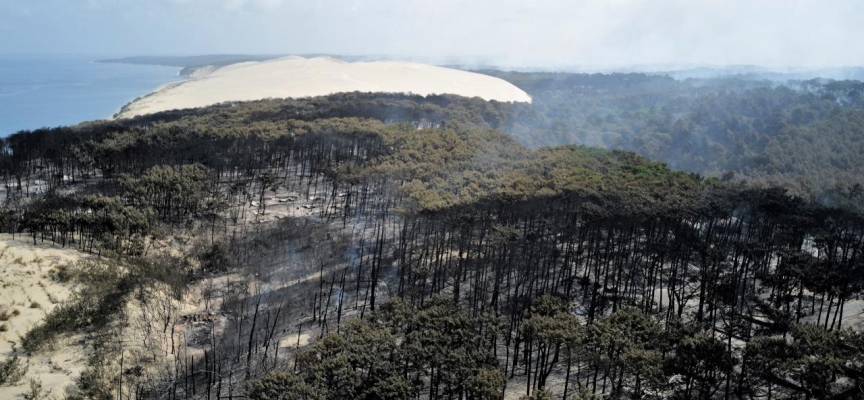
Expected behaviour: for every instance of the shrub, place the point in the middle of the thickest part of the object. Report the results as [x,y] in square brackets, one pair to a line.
[65,318]
[12,371]
[541,394]
[95,381]
[37,392]
[63,273]
[279,385]
[6,315]
[214,258]
[102,295]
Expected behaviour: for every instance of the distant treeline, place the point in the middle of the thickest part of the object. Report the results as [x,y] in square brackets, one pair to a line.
[804,135]
[191,63]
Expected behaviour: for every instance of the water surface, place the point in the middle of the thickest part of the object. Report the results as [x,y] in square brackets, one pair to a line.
[47,90]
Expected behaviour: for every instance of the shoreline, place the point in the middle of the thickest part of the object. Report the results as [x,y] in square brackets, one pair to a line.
[118,114]
[194,73]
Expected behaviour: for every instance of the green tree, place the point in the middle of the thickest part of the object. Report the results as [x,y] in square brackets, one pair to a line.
[280,385]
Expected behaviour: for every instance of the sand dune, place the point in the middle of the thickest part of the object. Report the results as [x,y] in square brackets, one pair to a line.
[294,77]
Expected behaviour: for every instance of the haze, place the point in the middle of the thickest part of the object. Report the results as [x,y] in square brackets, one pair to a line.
[502,32]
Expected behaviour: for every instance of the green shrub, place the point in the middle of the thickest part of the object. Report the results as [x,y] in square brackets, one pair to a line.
[95,381]
[214,258]
[64,273]
[12,371]
[279,385]
[37,392]
[102,295]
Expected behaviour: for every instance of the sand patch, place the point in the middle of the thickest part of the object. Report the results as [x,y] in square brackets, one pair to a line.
[27,294]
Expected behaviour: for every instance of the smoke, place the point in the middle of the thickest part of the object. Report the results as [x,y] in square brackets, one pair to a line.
[515,33]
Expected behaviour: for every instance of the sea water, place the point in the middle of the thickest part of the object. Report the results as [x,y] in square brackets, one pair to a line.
[50,90]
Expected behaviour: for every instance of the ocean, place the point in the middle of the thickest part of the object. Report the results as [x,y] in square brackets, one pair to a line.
[51,90]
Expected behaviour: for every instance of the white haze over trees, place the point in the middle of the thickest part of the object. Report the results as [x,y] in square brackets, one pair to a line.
[599,33]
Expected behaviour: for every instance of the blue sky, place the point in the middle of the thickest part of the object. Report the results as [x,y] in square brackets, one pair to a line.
[526,32]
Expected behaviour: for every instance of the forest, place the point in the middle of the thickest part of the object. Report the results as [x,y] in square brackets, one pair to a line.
[802,135]
[624,236]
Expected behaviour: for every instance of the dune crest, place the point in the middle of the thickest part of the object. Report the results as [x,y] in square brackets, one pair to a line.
[295,77]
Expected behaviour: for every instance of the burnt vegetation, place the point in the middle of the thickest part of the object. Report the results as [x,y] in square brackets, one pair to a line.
[365,246]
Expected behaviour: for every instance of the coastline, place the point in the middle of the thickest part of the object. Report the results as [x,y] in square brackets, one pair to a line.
[124,108]
[193,73]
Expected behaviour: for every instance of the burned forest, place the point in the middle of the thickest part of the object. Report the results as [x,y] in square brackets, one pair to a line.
[372,246]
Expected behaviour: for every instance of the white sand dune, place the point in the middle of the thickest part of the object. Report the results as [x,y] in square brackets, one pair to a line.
[296,77]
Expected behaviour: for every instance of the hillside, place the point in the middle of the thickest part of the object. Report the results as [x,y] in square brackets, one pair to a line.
[394,246]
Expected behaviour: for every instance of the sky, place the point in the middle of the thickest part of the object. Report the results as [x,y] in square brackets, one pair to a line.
[805,33]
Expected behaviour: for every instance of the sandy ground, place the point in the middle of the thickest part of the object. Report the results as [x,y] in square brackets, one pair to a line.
[26,289]
[295,77]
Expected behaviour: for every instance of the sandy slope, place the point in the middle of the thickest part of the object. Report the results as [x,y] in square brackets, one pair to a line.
[296,77]
[27,293]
